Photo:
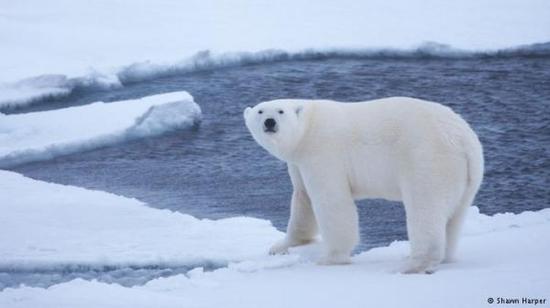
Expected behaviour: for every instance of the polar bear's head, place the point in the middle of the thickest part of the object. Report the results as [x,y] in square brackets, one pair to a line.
[278,126]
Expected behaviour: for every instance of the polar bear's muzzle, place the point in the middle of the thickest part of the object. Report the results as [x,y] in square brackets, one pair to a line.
[270,125]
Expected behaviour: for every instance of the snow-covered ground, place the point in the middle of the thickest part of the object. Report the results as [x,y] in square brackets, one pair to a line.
[49,48]
[46,225]
[44,135]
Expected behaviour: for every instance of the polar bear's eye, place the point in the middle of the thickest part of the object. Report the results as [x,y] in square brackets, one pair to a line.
[281,112]
[261,111]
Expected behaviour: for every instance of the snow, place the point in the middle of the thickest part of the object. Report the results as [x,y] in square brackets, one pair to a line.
[503,256]
[50,48]
[51,226]
[44,135]
[53,48]
[45,225]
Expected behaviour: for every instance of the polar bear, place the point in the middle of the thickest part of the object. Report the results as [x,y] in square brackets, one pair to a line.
[398,148]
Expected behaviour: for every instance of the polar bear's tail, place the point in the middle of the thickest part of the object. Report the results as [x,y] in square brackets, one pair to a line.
[475,165]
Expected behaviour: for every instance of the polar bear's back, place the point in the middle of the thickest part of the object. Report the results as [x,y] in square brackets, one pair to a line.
[396,120]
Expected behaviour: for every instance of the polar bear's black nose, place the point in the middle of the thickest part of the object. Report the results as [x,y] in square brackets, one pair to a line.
[270,123]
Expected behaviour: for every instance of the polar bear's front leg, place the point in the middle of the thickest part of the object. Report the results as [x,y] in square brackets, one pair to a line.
[336,213]
[302,227]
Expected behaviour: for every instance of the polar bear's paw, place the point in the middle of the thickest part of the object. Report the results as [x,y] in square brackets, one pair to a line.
[334,259]
[419,268]
[280,247]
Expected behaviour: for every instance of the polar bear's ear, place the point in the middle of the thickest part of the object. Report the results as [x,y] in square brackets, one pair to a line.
[247,110]
[299,110]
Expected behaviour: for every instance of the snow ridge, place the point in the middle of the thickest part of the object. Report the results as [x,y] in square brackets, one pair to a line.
[36,89]
[45,135]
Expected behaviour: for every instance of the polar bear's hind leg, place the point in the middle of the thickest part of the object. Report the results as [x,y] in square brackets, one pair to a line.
[426,231]
[475,166]
[454,225]
[431,193]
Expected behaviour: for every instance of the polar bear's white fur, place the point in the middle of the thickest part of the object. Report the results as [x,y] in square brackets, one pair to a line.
[399,148]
